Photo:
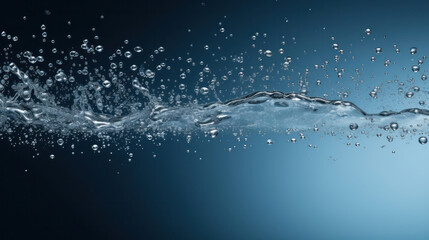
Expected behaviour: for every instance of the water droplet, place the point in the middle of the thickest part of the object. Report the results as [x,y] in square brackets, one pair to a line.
[138,49]
[353,126]
[368,31]
[94,147]
[270,142]
[204,90]
[268,53]
[60,142]
[107,84]
[415,68]
[378,50]
[394,126]
[128,54]
[409,94]
[423,140]
[149,73]
[99,48]
[413,50]
[213,133]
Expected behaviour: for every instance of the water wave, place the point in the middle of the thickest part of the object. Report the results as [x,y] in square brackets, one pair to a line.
[262,110]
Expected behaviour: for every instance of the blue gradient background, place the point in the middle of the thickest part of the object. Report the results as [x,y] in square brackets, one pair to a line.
[282,191]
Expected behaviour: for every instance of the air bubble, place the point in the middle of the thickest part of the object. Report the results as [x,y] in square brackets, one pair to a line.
[423,140]
[394,126]
[353,126]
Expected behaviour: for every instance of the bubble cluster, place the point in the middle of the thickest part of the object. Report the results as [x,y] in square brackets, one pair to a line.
[89,92]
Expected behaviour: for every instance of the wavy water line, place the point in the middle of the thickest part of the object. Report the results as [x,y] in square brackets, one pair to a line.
[262,110]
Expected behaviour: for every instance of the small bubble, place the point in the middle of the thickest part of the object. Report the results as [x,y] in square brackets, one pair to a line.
[415,68]
[413,50]
[394,126]
[423,140]
[138,49]
[378,50]
[99,48]
[107,84]
[353,126]
[409,94]
[149,73]
[213,133]
[368,31]
[204,90]
[268,53]
[128,54]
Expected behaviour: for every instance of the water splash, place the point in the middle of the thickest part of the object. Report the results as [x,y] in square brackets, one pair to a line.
[262,110]
[78,95]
